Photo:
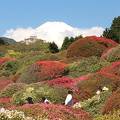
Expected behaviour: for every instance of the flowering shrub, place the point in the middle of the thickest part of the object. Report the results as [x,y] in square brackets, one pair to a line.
[15,54]
[111,116]
[113,102]
[4,83]
[13,115]
[103,40]
[5,100]
[54,112]
[91,84]
[89,46]
[4,59]
[9,68]
[113,69]
[9,90]
[43,70]
[93,105]
[112,54]
[63,82]
[37,91]
[86,65]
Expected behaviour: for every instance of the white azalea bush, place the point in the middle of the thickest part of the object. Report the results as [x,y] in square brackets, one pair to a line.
[13,115]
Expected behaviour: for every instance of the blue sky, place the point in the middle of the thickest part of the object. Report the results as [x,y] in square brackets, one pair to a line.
[78,13]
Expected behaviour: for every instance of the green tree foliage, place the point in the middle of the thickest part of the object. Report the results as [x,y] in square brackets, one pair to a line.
[53,48]
[2,42]
[114,31]
[67,41]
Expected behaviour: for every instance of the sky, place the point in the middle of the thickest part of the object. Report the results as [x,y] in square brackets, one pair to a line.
[83,14]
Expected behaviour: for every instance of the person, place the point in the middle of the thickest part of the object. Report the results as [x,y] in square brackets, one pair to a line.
[45,100]
[98,92]
[69,99]
[29,100]
[105,88]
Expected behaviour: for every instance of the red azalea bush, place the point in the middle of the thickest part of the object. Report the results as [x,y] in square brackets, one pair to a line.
[95,80]
[66,81]
[4,83]
[69,83]
[63,82]
[4,59]
[113,69]
[43,70]
[54,112]
[89,46]
[112,54]
[103,40]
[5,100]
[112,103]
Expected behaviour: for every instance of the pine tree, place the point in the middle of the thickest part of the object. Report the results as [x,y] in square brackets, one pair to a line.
[53,47]
[114,31]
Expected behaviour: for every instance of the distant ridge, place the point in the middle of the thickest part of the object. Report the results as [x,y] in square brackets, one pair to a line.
[6,41]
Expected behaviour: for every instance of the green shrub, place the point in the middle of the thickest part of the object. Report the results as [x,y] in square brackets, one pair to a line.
[37,91]
[86,65]
[9,68]
[11,89]
[112,54]
[111,116]
[94,104]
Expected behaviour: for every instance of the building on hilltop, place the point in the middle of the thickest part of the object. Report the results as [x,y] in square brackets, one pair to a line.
[31,39]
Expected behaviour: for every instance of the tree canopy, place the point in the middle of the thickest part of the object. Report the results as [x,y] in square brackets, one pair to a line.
[114,31]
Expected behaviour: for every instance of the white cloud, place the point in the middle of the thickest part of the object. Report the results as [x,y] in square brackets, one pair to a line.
[52,31]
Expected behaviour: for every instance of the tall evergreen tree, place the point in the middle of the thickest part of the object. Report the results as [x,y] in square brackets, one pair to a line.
[114,31]
[67,41]
[53,47]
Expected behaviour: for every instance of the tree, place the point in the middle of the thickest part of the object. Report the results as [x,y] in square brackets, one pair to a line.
[53,47]
[2,42]
[67,41]
[114,31]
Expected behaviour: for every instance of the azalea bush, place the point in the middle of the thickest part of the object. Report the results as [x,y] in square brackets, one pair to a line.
[89,46]
[112,54]
[13,54]
[43,70]
[4,82]
[93,81]
[54,112]
[94,104]
[115,115]
[37,91]
[5,59]
[13,115]
[112,69]
[112,103]
[9,68]
[86,65]
[9,90]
